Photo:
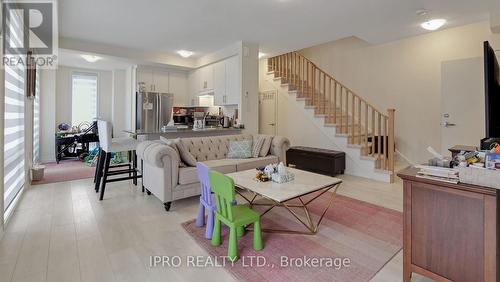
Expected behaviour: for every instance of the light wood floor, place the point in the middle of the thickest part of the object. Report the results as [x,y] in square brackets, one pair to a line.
[61,232]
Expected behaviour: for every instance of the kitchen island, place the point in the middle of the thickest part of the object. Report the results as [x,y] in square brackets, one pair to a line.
[183,133]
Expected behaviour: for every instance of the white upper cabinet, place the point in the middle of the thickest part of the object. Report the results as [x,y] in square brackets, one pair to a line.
[161,81]
[222,79]
[178,85]
[207,78]
[166,81]
[233,84]
[219,83]
[146,76]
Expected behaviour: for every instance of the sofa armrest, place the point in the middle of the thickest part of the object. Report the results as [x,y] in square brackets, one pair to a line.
[279,146]
[164,156]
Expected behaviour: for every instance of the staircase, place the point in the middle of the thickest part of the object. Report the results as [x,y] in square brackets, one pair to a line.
[352,117]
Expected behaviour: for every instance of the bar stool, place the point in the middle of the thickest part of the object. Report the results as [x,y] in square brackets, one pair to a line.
[109,146]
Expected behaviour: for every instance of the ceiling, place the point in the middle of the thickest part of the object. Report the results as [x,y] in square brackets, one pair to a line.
[71,58]
[204,26]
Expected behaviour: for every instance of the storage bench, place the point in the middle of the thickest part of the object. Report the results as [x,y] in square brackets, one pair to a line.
[322,161]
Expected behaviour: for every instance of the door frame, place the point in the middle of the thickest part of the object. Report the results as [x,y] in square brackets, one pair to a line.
[275,93]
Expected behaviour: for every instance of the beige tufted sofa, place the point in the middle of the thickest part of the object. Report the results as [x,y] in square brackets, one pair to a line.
[163,177]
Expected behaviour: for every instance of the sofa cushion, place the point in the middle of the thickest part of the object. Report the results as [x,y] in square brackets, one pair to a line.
[189,175]
[240,149]
[264,151]
[245,164]
[211,147]
[184,153]
[172,144]
[257,146]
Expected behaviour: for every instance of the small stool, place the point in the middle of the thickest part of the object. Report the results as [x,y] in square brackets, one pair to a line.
[108,146]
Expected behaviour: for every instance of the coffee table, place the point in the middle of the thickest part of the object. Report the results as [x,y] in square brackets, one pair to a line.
[280,195]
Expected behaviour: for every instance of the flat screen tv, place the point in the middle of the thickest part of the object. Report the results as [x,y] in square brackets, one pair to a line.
[492,92]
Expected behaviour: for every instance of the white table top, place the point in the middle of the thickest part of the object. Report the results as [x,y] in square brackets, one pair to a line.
[304,183]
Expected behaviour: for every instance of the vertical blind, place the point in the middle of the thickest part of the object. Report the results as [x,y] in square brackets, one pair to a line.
[83,98]
[36,120]
[14,155]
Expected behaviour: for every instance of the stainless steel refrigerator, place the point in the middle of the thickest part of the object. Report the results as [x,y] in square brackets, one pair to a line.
[154,110]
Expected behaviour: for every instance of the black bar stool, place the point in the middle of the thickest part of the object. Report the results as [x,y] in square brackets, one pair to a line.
[108,146]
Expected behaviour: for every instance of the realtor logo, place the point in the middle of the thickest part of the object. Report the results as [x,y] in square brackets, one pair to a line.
[29,25]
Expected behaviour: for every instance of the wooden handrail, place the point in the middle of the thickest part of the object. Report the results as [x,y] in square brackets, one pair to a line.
[360,121]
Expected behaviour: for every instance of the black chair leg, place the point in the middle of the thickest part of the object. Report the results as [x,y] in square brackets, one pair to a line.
[129,158]
[99,167]
[134,164]
[142,174]
[105,176]
[96,165]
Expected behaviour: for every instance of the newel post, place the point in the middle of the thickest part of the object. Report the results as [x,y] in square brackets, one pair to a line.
[390,144]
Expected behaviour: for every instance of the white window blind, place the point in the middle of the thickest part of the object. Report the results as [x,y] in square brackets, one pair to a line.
[14,155]
[36,120]
[84,98]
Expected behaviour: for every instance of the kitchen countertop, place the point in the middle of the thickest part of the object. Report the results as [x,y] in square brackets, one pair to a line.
[183,130]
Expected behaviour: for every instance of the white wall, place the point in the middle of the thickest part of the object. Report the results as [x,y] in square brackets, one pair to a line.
[47,114]
[405,75]
[63,93]
[114,102]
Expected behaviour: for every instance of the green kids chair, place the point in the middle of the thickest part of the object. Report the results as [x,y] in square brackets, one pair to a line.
[234,216]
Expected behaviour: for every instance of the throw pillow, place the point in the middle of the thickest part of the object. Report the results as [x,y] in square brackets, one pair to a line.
[240,149]
[266,146]
[184,153]
[257,146]
[172,144]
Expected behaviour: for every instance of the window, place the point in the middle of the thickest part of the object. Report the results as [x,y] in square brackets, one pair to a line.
[36,120]
[14,154]
[84,98]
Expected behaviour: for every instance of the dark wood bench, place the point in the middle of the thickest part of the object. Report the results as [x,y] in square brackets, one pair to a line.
[322,161]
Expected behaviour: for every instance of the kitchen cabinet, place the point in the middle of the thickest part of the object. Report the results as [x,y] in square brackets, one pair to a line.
[154,80]
[207,78]
[178,85]
[166,81]
[161,81]
[219,83]
[145,76]
[233,81]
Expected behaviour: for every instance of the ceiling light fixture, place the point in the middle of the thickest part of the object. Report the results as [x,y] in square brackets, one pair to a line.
[433,24]
[262,55]
[91,58]
[185,53]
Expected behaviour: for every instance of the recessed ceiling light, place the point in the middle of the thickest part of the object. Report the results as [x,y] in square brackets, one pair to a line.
[261,55]
[91,58]
[185,53]
[433,24]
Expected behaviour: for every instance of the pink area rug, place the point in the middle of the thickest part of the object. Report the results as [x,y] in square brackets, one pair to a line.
[66,170]
[365,234]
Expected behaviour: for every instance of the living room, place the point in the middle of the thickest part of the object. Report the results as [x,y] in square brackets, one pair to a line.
[230,141]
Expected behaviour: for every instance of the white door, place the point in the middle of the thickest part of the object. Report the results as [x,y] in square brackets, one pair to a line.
[160,81]
[267,112]
[233,92]
[462,104]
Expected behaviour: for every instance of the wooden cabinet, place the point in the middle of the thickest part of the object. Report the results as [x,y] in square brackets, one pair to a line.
[146,76]
[450,230]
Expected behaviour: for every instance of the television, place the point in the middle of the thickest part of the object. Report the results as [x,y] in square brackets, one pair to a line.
[492,92]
